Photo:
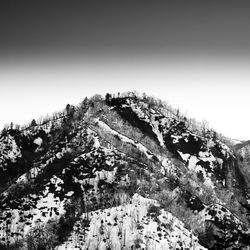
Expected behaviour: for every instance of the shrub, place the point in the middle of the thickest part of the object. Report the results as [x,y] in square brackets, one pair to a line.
[42,237]
[137,243]
[154,212]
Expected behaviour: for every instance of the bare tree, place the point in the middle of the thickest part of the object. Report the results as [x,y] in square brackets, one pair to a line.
[204,127]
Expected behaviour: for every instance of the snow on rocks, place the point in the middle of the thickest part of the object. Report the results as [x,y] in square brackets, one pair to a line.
[153,118]
[193,163]
[38,141]
[184,157]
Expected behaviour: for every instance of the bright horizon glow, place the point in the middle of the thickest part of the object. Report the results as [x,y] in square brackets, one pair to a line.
[215,89]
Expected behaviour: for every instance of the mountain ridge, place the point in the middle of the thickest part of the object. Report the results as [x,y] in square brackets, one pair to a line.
[182,187]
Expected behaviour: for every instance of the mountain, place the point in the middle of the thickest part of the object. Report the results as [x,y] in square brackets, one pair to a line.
[122,172]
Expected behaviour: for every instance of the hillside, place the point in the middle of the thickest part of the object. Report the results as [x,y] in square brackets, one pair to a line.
[121,172]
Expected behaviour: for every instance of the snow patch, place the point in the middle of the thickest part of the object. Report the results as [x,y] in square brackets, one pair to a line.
[184,157]
[38,141]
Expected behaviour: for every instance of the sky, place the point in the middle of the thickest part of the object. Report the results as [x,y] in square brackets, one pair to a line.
[195,55]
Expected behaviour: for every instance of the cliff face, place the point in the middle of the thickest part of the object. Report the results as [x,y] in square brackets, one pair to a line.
[243,160]
[120,173]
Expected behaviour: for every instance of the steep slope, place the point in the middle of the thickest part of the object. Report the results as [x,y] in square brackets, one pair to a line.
[243,155]
[121,173]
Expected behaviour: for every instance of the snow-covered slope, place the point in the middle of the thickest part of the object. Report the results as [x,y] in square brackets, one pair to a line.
[139,224]
[120,173]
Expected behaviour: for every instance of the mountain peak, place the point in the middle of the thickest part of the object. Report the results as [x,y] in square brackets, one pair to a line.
[123,171]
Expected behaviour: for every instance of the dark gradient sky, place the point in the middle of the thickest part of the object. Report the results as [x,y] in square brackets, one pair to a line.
[193,54]
[94,27]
